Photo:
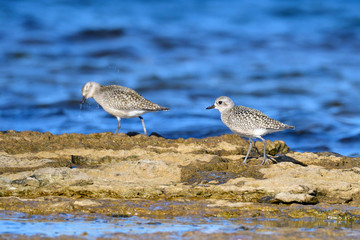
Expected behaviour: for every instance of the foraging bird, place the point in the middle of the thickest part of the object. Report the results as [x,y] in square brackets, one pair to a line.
[247,122]
[119,101]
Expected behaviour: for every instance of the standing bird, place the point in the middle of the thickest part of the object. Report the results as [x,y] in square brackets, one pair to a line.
[119,101]
[247,122]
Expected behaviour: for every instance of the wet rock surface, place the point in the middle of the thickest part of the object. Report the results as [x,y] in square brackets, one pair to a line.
[119,175]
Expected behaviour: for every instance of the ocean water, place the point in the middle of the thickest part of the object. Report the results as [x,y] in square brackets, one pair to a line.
[298,62]
[13,226]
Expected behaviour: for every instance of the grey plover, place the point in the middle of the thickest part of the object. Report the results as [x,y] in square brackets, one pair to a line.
[119,101]
[247,122]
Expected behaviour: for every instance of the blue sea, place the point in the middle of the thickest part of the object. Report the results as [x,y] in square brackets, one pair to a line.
[296,61]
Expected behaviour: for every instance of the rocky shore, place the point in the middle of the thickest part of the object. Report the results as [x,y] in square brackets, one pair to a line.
[122,175]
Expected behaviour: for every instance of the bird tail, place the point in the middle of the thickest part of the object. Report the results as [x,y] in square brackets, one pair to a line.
[160,108]
[164,109]
[290,127]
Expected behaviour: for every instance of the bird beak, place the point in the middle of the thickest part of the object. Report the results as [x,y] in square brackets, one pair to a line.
[83,100]
[211,107]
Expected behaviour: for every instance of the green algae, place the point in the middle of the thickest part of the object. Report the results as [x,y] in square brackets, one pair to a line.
[31,142]
[175,208]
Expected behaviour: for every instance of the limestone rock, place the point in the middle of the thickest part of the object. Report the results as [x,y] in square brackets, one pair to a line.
[106,165]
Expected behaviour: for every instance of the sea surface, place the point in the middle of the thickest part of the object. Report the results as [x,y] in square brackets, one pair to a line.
[13,226]
[298,62]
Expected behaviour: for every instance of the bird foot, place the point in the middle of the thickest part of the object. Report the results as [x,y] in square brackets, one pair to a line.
[267,160]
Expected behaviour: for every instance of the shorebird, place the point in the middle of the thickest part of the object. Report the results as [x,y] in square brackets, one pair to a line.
[247,122]
[119,101]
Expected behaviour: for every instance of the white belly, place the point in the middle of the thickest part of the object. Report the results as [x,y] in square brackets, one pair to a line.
[124,113]
[260,132]
[253,133]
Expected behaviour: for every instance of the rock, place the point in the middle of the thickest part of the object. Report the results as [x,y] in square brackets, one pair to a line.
[30,181]
[286,197]
[86,203]
[119,166]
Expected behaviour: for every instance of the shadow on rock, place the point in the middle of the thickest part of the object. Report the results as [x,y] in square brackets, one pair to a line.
[284,158]
[218,171]
[132,134]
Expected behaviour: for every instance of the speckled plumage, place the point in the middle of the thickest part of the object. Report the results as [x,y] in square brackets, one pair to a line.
[247,122]
[244,121]
[119,101]
[123,98]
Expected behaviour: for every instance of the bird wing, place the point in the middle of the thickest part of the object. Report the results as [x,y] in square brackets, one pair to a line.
[252,118]
[123,98]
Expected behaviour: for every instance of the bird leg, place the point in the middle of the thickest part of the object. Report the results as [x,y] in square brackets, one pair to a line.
[119,124]
[264,160]
[249,150]
[143,123]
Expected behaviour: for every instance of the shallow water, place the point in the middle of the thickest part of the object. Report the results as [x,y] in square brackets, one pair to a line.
[298,63]
[94,227]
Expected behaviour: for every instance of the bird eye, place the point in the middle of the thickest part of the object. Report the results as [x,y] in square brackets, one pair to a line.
[220,102]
